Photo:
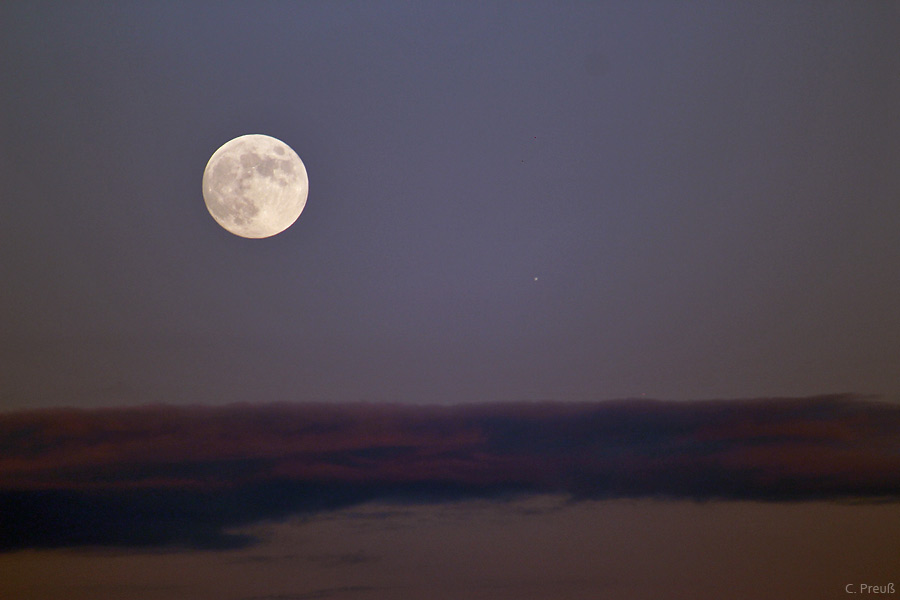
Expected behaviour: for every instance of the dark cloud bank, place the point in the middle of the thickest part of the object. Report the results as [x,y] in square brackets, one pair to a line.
[184,476]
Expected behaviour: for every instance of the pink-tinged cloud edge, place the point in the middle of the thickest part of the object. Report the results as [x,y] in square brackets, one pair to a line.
[832,443]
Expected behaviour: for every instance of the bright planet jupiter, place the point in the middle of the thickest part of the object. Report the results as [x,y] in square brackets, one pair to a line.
[255,186]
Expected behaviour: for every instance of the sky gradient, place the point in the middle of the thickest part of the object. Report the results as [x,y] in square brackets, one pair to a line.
[706,192]
[588,299]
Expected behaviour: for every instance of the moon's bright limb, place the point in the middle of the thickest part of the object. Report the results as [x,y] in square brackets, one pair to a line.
[255,186]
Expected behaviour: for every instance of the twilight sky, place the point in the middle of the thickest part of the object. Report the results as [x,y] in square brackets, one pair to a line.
[589,299]
[706,192]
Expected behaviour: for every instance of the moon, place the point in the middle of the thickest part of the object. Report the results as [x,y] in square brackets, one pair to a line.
[255,186]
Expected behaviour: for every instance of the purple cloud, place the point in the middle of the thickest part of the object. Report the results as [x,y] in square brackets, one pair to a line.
[166,475]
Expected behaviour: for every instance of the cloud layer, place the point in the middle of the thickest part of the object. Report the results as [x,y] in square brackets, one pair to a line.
[185,476]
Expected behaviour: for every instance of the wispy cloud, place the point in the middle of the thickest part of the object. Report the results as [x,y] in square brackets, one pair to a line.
[166,475]
[339,592]
[340,560]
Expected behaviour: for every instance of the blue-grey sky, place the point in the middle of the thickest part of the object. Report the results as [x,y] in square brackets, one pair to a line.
[526,200]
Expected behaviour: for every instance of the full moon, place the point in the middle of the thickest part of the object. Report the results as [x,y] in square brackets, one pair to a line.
[255,186]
